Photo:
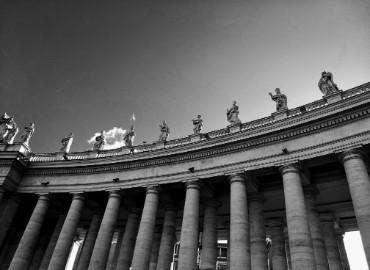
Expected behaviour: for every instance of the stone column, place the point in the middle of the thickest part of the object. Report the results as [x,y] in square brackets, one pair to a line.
[228,245]
[2,192]
[315,229]
[144,239]
[52,242]
[327,226]
[168,239]
[342,249]
[279,261]
[89,242]
[78,254]
[155,248]
[257,232]
[63,246]
[117,249]
[103,241]
[287,251]
[129,238]
[10,207]
[301,249]
[209,239]
[26,246]
[190,228]
[359,187]
[239,225]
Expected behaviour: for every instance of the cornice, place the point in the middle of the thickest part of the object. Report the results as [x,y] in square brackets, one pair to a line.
[266,139]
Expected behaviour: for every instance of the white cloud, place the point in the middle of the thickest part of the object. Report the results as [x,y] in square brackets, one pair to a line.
[114,138]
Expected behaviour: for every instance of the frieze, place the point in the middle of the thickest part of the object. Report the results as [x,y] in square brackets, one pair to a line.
[297,132]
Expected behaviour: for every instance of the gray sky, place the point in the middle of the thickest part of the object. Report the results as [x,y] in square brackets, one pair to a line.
[83,66]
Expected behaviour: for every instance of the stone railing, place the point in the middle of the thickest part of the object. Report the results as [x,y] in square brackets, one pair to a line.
[47,157]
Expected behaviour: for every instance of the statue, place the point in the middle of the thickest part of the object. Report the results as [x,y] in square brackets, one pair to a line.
[8,129]
[66,143]
[326,84]
[198,124]
[165,131]
[129,137]
[99,141]
[280,99]
[27,133]
[232,114]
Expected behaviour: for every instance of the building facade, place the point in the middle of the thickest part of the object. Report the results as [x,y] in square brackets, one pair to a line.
[299,177]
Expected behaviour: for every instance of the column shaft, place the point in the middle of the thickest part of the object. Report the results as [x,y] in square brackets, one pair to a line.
[129,239]
[23,254]
[63,246]
[89,242]
[142,252]
[279,261]
[10,207]
[342,251]
[2,192]
[168,239]
[103,241]
[189,229]
[155,249]
[257,233]
[209,239]
[116,250]
[239,227]
[301,249]
[359,187]
[287,251]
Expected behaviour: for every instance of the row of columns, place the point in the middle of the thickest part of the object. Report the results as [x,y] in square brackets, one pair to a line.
[307,247]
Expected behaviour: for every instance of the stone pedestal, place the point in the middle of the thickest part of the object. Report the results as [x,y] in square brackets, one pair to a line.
[332,250]
[235,128]
[209,239]
[257,232]
[129,239]
[103,241]
[168,239]
[63,246]
[301,248]
[195,137]
[359,187]
[189,229]
[144,239]
[16,147]
[278,258]
[332,98]
[239,225]
[160,144]
[23,254]
[280,115]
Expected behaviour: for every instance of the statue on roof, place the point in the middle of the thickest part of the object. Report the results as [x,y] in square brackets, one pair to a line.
[66,143]
[8,129]
[99,141]
[327,85]
[129,137]
[165,132]
[27,133]
[198,124]
[280,99]
[233,114]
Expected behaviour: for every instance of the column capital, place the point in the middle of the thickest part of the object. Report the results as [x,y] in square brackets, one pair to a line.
[79,196]
[351,154]
[135,210]
[237,177]
[327,217]
[44,196]
[211,202]
[193,184]
[290,168]
[170,206]
[152,189]
[115,193]
[256,196]
[310,192]
[276,222]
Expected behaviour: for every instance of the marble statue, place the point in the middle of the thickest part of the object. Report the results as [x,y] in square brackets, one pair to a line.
[165,131]
[129,137]
[326,84]
[8,129]
[99,141]
[66,143]
[198,124]
[27,133]
[280,99]
[232,114]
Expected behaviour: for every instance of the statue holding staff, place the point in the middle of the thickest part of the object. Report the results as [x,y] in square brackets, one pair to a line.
[66,143]
[280,99]
[198,124]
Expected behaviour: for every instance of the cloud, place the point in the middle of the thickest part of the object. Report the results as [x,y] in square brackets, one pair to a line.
[113,137]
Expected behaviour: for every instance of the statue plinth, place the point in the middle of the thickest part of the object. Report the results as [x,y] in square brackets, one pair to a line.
[335,97]
[160,144]
[235,127]
[195,137]
[16,147]
[280,115]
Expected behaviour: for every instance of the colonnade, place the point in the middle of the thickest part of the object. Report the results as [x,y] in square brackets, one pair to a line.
[311,241]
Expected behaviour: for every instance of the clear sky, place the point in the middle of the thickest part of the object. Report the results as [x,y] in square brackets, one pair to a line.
[84,66]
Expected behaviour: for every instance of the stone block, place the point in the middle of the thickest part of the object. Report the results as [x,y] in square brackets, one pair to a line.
[234,128]
[332,98]
[280,115]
